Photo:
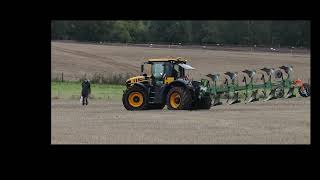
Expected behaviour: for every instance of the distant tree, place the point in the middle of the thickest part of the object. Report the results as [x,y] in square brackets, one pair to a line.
[274,33]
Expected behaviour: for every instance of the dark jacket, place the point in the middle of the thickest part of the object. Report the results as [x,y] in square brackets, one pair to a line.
[86,89]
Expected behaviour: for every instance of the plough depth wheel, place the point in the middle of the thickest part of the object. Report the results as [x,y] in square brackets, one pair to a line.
[305,90]
[279,92]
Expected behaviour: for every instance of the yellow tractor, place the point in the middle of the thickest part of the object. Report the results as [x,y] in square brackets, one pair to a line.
[167,85]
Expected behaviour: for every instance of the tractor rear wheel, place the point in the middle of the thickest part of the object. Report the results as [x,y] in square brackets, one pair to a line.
[179,98]
[135,98]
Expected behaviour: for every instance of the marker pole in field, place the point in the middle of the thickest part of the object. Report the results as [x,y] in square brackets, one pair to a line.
[59,91]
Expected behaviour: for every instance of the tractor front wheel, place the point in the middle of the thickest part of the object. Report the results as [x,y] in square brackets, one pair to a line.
[134,99]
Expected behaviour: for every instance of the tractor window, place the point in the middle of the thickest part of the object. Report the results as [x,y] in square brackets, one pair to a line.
[157,70]
[179,71]
[168,69]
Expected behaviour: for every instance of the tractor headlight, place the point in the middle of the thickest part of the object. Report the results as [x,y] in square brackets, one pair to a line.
[128,83]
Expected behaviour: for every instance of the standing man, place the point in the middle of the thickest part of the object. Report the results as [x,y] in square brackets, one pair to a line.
[86,90]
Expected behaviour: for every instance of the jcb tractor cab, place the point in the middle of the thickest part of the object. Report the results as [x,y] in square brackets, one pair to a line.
[167,85]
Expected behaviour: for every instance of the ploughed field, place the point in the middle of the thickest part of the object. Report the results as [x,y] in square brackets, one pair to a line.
[105,121]
[76,59]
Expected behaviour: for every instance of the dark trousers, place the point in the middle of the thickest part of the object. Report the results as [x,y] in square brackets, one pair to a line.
[84,99]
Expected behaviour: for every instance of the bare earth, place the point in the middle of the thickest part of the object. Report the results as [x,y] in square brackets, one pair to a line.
[107,122]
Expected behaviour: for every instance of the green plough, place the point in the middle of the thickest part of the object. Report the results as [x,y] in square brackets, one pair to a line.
[281,87]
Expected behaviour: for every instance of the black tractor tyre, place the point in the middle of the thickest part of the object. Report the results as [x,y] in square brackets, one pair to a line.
[307,91]
[205,102]
[185,98]
[126,103]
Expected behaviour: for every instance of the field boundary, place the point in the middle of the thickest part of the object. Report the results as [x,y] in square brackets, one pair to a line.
[217,47]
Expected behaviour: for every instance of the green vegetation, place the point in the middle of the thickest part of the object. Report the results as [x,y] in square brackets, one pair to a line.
[98,78]
[234,32]
[72,90]
[109,78]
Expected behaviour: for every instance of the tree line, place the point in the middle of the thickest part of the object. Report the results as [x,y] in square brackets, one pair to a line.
[236,32]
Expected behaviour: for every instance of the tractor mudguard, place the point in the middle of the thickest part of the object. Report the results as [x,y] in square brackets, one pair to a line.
[138,84]
[182,83]
[186,84]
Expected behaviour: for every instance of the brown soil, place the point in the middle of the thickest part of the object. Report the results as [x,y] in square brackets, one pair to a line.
[103,122]
[274,122]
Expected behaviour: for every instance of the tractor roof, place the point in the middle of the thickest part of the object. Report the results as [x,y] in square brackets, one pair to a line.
[167,59]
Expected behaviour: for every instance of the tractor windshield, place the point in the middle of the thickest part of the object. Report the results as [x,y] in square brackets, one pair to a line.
[157,70]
